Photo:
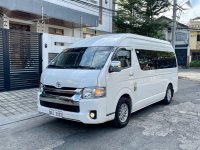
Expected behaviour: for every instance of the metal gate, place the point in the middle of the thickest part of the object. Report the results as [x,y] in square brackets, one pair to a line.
[21,65]
[1,62]
[181,57]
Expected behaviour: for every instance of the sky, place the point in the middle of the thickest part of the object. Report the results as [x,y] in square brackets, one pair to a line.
[189,13]
[195,2]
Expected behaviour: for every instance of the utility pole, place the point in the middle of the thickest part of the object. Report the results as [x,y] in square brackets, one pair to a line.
[81,26]
[42,23]
[174,23]
[96,28]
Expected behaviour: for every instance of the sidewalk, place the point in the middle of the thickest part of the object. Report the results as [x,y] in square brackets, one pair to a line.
[19,102]
[192,74]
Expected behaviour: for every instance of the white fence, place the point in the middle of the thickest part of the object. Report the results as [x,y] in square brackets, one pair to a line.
[53,45]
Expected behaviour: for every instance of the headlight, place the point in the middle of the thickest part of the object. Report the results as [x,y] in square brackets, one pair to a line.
[41,87]
[94,92]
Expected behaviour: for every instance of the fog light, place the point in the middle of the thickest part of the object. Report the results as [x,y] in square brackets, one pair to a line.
[93,114]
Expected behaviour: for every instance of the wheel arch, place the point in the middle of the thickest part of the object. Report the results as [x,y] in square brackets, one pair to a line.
[127,93]
[128,97]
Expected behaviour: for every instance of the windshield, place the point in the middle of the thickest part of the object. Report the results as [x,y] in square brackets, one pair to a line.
[84,58]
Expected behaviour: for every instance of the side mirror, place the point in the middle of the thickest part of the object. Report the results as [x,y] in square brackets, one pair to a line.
[115,66]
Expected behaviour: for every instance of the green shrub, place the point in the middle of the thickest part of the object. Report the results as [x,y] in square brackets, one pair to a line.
[195,63]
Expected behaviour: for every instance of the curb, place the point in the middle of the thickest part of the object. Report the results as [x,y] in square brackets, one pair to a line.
[187,78]
[18,118]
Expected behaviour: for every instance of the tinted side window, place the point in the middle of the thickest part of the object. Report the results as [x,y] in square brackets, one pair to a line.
[147,59]
[124,56]
[166,60]
[151,60]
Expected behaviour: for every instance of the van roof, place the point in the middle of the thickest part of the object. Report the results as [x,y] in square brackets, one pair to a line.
[117,40]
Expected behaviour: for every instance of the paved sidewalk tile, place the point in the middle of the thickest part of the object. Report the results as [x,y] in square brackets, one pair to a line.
[18,102]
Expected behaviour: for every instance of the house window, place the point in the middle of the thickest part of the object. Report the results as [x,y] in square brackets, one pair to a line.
[19,27]
[56,31]
[59,44]
[87,35]
[198,37]
[181,37]
[196,56]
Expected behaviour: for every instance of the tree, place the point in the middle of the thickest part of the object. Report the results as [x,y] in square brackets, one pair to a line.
[140,17]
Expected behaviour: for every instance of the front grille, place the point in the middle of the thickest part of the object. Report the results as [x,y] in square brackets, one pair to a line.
[63,88]
[60,106]
[64,91]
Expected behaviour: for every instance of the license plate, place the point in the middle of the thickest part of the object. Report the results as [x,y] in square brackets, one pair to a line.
[55,113]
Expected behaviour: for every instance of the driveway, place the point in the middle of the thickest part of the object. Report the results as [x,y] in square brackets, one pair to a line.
[157,127]
[192,74]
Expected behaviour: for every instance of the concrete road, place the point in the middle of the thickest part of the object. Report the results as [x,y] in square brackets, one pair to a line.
[192,73]
[158,127]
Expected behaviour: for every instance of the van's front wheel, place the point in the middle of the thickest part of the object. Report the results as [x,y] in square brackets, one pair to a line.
[122,113]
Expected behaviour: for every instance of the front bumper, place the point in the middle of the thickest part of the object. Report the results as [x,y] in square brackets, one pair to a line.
[85,106]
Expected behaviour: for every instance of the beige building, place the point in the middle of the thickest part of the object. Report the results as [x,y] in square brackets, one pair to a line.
[195,38]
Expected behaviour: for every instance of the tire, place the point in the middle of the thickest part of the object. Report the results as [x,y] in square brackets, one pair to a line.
[122,114]
[168,96]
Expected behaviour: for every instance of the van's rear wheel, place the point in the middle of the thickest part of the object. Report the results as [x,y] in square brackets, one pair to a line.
[122,113]
[168,96]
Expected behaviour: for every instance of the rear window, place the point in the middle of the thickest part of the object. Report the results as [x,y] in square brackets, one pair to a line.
[151,60]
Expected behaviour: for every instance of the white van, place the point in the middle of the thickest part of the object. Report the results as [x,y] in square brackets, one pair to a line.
[107,78]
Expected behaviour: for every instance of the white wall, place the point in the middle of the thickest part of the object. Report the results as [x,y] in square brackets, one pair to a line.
[77,6]
[49,41]
[107,17]
[77,32]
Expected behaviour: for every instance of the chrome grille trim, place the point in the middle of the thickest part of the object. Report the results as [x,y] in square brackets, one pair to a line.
[59,90]
[60,101]
[51,91]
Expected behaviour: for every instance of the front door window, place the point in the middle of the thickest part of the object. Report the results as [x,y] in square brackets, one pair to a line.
[124,56]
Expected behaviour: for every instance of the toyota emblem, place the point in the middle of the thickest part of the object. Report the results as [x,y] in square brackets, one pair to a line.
[58,85]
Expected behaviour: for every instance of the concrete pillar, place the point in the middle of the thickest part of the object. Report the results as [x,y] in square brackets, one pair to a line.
[38,27]
[4,22]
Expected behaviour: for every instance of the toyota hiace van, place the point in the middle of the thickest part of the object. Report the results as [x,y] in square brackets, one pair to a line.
[108,77]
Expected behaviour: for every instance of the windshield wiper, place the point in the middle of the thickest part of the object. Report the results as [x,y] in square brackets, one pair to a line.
[86,67]
[71,67]
[54,66]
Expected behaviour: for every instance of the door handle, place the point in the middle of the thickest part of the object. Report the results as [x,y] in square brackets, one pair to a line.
[131,74]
